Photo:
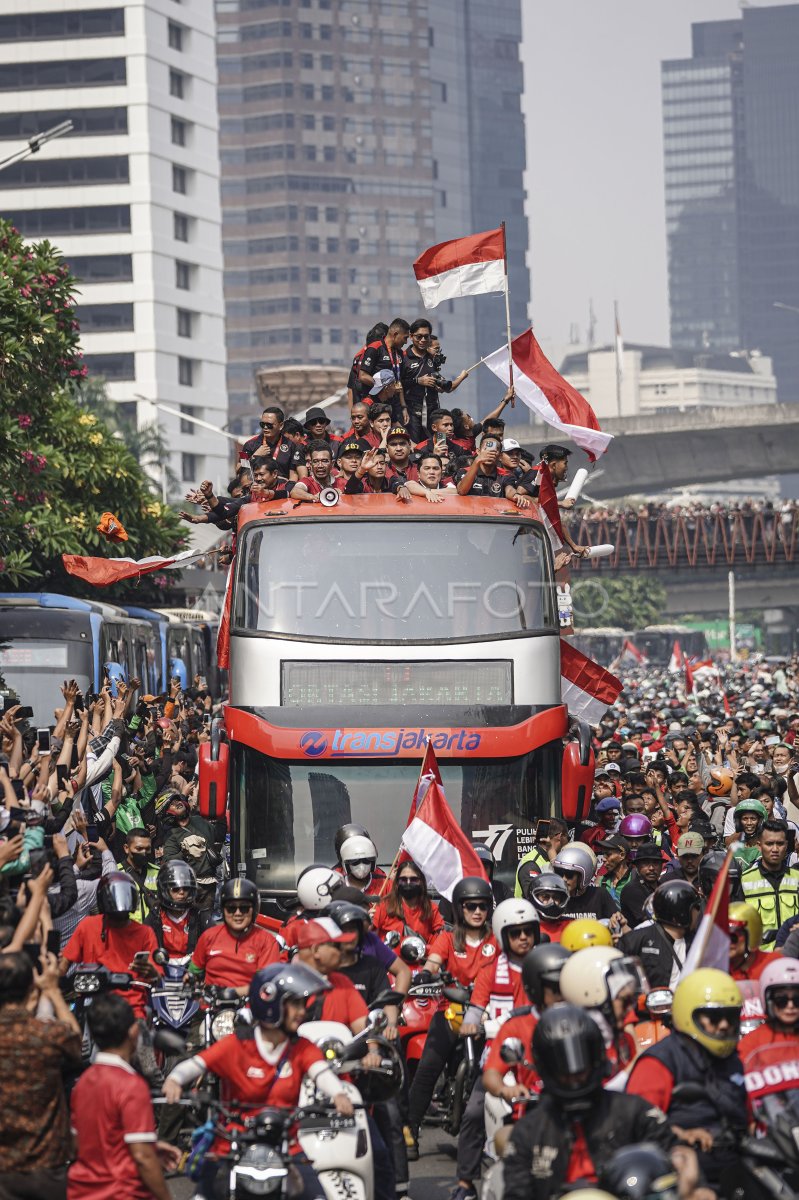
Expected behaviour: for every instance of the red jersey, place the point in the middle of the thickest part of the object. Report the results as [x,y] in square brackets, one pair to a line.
[115,951]
[383,923]
[111,1109]
[229,961]
[176,934]
[765,1035]
[521,1027]
[753,966]
[653,1081]
[251,1073]
[464,964]
[499,988]
[554,929]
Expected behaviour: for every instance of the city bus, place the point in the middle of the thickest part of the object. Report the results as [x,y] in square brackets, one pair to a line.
[657,643]
[357,633]
[603,644]
[46,638]
[186,643]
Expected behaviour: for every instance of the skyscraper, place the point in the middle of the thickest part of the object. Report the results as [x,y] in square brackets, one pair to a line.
[355,133]
[731,144]
[131,196]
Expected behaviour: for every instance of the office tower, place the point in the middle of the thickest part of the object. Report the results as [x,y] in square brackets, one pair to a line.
[130,197]
[354,134]
[731,143]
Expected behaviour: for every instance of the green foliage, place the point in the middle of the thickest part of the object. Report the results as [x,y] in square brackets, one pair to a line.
[60,466]
[627,602]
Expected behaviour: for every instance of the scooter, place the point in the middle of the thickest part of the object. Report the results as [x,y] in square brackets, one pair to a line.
[418,1010]
[87,982]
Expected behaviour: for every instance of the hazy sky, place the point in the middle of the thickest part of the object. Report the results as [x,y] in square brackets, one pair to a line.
[595,159]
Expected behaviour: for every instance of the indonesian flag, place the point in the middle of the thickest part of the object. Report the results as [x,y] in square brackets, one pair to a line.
[677,660]
[550,510]
[429,772]
[689,678]
[726,702]
[223,633]
[469,266]
[101,572]
[711,945]
[629,650]
[548,394]
[438,845]
[587,689]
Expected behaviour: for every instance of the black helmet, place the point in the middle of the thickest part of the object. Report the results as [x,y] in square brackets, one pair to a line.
[542,966]
[471,887]
[547,891]
[272,986]
[243,890]
[117,893]
[176,874]
[347,831]
[486,857]
[709,868]
[640,1172]
[569,1052]
[345,913]
[674,902]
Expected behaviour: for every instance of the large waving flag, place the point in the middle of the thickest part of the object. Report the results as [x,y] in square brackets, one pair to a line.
[548,394]
[438,845]
[550,510]
[428,774]
[587,689]
[677,660]
[103,571]
[468,266]
[711,945]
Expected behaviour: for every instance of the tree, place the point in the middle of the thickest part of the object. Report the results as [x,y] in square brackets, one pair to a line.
[629,602]
[61,466]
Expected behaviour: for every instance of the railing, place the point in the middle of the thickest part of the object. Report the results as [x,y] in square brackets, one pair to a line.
[668,541]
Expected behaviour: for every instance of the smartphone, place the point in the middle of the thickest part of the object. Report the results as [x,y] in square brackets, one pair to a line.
[18,814]
[19,789]
[542,829]
[207,718]
[43,740]
[91,833]
[54,941]
[33,952]
[62,774]
[48,841]
[141,958]
[24,714]
[203,683]
[79,705]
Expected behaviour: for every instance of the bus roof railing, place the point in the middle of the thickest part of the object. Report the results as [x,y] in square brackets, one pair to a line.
[188,616]
[54,600]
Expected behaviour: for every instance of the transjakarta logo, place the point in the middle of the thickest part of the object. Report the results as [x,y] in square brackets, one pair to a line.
[369,743]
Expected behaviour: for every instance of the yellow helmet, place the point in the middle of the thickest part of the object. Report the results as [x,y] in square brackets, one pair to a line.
[584,932]
[706,991]
[590,1194]
[745,916]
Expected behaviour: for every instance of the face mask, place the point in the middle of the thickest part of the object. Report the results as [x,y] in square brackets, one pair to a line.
[139,861]
[409,887]
[360,870]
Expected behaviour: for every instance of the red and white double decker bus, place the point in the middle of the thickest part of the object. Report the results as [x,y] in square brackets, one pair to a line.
[357,632]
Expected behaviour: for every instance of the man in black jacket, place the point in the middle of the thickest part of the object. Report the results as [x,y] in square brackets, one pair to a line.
[647,866]
[576,1127]
[662,944]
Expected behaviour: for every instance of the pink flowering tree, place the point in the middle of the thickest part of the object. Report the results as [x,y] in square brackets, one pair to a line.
[61,467]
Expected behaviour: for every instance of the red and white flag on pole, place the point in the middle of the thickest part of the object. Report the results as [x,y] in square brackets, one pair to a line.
[711,944]
[548,394]
[438,845]
[689,678]
[104,571]
[428,773]
[550,510]
[587,689]
[468,266]
[677,660]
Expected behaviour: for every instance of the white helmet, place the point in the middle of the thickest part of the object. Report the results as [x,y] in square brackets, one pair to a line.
[358,856]
[591,978]
[576,856]
[510,913]
[315,887]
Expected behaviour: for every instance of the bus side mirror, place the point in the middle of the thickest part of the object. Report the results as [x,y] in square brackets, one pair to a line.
[576,781]
[214,758]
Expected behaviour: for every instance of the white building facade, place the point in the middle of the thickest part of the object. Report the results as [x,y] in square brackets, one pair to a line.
[656,379]
[130,197]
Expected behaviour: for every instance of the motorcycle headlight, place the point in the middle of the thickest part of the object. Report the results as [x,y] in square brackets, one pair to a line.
[85,984]
[262,1170]
[223,1024]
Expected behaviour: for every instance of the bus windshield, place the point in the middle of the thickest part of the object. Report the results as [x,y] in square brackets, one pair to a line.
[288,812]
[404,580]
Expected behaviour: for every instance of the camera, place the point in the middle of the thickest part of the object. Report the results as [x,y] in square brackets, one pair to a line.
[439,358]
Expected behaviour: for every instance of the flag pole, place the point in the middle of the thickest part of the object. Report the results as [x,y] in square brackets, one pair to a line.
[507,314]
[616,340]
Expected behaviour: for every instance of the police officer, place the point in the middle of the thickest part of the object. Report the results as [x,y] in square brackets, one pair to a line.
[770,885]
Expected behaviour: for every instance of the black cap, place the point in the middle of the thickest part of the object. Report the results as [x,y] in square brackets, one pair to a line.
[553,453]
[316,414]
[398,431]
[614,842]
[352,446]
[647,852]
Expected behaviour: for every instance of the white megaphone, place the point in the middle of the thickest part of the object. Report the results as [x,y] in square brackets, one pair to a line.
[329,497]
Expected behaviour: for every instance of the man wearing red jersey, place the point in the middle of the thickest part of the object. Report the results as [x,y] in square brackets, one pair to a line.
[228,955]
[176,921]
[319,943]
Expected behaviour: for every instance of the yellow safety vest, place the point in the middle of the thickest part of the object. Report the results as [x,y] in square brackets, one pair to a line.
[775,904]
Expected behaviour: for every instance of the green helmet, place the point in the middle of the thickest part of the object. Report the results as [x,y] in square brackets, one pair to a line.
[750,806]
[764,726]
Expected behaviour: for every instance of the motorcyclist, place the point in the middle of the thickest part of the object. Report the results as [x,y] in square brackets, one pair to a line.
[316,888]
[372,946]
[462,952]
[779,994]
[265,1063]
[549,893]
[229,954]
[749,817]
[577,1126]
[607,983]
[771,885]
[137,863]
[357,860]
[175,919]
[498,989]
[499,888]
[363,970]
[585,932]
[709,867]
[701,1049]
[577,865]
[647,860]
[747,961]
[663,943]
[113,938]
[407,907]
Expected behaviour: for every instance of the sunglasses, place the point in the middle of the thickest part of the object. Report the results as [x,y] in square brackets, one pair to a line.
[422,337]
[237,908]
[783,999]
[475,906]
[268,425]
[521,931]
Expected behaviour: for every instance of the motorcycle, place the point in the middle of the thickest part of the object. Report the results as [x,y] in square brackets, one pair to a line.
[497,1111]
[418,1009]
[175,1003]
[223,1010]
[87,982]
[461,1073]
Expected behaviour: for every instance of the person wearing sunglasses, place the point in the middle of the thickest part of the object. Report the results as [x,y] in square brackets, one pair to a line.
[273,442]
[229,954]
[461,952]
[779,995]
